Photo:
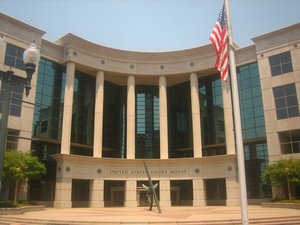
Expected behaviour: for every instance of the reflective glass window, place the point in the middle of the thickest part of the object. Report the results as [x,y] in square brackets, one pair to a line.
[286,101]
[114,120]
[147,122]
[49,100]
[180,121]
[212,112]
[290,142]
[83,109]
[256,161]
[281,63]
[15,98]
[14,57]
[252,114]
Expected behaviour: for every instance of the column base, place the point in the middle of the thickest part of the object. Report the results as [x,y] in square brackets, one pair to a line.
[199,203]
[165,203]
[96,204]
[233,202]
[62,204]
[131,204]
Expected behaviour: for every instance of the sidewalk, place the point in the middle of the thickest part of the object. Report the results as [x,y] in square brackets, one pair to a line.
[171,215]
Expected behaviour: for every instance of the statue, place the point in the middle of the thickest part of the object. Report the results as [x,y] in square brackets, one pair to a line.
[151,191]
[150,194]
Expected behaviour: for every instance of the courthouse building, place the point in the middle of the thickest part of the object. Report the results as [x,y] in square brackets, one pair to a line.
[95,114]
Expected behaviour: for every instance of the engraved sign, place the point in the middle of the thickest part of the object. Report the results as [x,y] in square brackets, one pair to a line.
[136,172]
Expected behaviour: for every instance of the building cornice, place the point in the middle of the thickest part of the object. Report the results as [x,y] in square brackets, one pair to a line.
[12,28]
[277,38]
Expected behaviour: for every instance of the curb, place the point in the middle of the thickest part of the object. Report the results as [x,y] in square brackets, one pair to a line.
[281,205]
[21,210]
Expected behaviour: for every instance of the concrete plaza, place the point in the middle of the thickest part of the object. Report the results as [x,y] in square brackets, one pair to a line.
[169,216]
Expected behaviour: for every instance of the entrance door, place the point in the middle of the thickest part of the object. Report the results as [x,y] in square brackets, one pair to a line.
[181,192]
[175,196]
[114,193]
[142,198]
[80,193]
[215,190]
[117,196]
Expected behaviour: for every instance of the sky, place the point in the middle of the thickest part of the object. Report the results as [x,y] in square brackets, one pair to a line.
[151,25]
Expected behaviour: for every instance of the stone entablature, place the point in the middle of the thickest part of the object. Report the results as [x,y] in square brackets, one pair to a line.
[84,167]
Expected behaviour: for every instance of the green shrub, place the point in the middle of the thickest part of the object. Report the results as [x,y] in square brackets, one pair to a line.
[7,204]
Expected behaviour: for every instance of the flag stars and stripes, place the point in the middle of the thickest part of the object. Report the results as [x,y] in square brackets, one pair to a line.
[219,39]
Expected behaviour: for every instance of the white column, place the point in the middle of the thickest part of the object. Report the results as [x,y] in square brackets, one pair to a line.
[165,193]
[232,191]
[131,117]
[198,192]
[196,115]
[98,124]
[63,193]
[67,114]
[130,194]
[228,117]
[163,118]
[97,193]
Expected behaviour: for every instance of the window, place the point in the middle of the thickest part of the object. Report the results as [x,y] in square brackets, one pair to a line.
[16,99]
[281,63]
[252,113]
[180,134]
[290,142]
[286,102]
[44,126]
[49,100]
[14,57]
[12,139]
[147,122]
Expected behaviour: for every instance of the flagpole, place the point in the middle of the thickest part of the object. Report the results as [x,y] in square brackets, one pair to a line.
[237,121]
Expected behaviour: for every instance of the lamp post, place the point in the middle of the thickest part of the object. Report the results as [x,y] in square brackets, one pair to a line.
[288,182]
[31,58]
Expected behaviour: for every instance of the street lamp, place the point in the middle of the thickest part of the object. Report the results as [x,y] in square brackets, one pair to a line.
[31,59]
[288,182]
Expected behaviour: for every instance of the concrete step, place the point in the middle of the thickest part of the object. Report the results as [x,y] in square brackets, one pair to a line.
[10,220]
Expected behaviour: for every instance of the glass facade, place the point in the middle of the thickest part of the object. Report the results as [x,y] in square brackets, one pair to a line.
[147,122]
[251,106]
[256,161]
[114,121]
[49,100]
[82,134]
[212,115]
[47,122]
[253,128]
[180,121]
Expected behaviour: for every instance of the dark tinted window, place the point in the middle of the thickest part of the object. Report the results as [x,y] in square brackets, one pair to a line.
[14,57]
[281,63]
[286,101]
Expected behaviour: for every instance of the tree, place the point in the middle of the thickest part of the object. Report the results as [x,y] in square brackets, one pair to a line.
[283,172]
[19,167]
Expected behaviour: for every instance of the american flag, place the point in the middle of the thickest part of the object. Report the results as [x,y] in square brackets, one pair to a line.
[219,39]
